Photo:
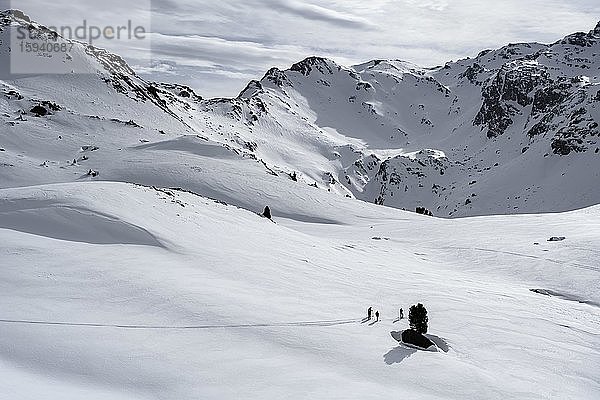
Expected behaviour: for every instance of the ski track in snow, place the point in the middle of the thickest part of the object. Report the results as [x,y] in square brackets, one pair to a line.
[190,327]
[230,264]
[561,262]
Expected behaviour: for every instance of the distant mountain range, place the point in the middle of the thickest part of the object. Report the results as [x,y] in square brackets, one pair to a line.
[513,130]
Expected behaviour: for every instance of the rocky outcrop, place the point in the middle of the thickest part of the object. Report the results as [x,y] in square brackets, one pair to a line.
[39,111]
[507,93]
[472,73]
[306,66]
[277,77]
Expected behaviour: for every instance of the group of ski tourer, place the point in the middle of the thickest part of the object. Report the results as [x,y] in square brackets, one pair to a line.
[370,314]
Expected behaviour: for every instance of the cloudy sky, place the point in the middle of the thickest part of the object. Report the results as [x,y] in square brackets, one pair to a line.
[218,46]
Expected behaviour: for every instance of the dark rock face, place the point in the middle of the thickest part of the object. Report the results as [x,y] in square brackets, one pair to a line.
[577,39]
[168,93]
[278,77]
[14,94]
[549,97]
[424,211]
[252,89]
[549,88]
[20,14]
[472,73]
[583,39]
[514,83]
[39,111]
[574,135]
[44,108]
[596,30]
[306,66]
[514,50]
[565,111]
[414,338]
[564,147]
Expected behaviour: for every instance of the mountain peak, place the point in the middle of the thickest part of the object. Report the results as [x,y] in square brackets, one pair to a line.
[276,77]
[82,57]
[14,14]
[596,30]
[323,65]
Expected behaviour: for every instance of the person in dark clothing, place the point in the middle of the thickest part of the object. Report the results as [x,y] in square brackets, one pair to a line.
[369,313]
[401,314]
[376,316]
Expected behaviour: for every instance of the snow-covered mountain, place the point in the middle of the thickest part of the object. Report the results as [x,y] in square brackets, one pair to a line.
[512,130]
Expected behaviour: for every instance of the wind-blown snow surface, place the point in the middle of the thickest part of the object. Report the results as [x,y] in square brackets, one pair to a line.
[193,299]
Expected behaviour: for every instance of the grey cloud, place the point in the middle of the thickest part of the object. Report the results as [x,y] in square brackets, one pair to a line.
[218,45]
[319,13]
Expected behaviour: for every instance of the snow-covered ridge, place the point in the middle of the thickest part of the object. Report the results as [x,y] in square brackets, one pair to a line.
[81,58]
[516,125]
[525,107]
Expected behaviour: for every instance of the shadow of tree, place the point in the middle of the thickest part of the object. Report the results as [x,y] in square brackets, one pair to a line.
[439,342]
[398,354]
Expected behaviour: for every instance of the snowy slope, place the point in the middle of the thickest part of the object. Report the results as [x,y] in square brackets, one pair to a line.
[192,299]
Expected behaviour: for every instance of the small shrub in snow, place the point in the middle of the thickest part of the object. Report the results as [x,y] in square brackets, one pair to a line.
[424,211]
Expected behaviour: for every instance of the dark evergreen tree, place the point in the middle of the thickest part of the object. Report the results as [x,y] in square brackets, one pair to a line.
[424,211]
[267,213]
[417,317]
